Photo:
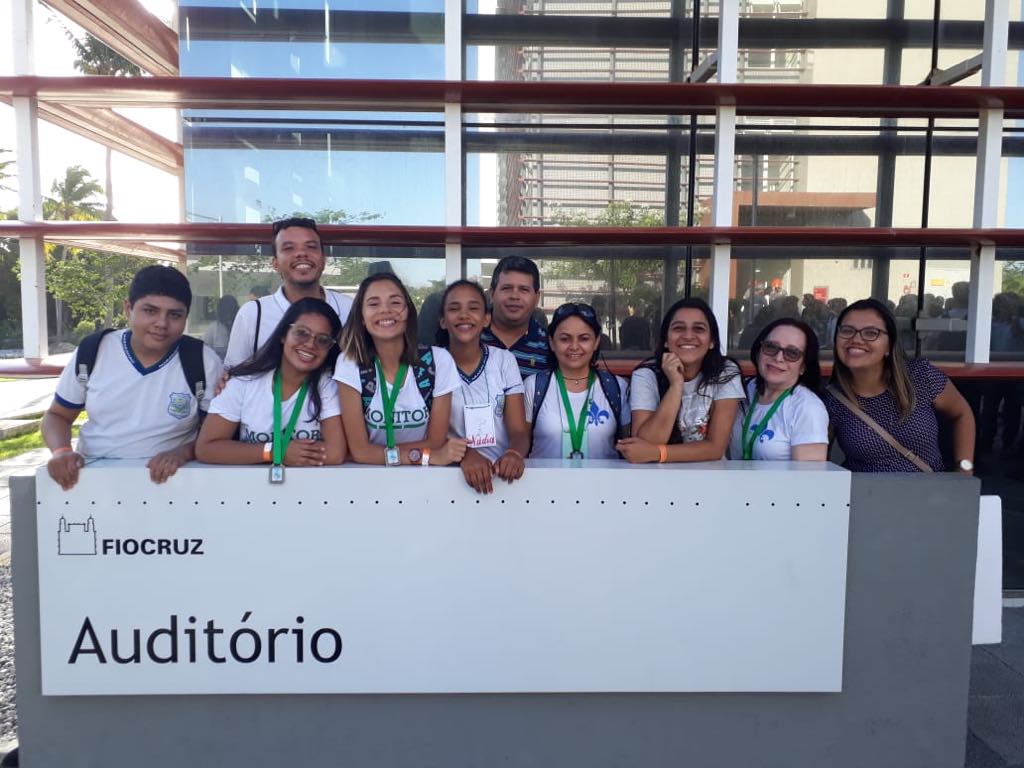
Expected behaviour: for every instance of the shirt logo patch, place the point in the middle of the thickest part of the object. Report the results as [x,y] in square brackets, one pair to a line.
[596,415]
[179,405]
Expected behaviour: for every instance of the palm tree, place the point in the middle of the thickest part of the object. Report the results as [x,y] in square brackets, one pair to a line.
[71,201]
[95,58]
[4,174]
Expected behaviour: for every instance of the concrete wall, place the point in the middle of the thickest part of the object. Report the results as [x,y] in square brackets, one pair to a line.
[904,699]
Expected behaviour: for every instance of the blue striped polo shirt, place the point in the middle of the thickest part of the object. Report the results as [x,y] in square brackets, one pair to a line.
[530,350]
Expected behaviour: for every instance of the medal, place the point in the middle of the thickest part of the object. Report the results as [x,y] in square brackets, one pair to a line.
[276,474]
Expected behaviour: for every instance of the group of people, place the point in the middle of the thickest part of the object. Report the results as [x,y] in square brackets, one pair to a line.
[314,378]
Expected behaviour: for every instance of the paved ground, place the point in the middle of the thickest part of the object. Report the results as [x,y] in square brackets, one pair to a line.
[16,398]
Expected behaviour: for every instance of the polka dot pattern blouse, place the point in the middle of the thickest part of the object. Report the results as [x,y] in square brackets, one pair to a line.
[867,452]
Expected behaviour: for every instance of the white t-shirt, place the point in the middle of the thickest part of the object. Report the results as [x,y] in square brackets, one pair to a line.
[695,409]
[495,379]
[551,439]
[800,420]
[249,402]
[134,412]
[272,309]
[411,415]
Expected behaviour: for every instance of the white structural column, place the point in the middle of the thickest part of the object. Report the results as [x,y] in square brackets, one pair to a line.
[725,160]
[986,184]
[30,206]
[453,181]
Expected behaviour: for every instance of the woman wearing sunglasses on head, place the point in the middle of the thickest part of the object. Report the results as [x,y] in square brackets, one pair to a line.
[685,398]
[576,411]
[782,417]
[396,397]
[281,402]
[883,408]
[487,408]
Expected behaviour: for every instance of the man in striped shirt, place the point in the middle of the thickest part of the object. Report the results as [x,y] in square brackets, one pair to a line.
[515,292]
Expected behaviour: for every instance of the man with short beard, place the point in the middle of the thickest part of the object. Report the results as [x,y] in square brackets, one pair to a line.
[515,293]
[299,260]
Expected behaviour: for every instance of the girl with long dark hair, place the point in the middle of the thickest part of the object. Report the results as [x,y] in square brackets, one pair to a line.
[396,397]
[885,409]
[782,417]
[685,398]
[576,410]
[281,401]
[487,407]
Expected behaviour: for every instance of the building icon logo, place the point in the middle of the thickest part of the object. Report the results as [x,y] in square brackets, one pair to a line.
[76,538]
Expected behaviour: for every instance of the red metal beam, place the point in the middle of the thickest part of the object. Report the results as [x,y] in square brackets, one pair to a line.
[362,234]
[128,28]
[558,97]
[106,127]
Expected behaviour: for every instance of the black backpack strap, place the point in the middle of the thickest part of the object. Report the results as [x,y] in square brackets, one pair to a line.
[367,384]
[190,352]
[425,372]
[612,393]
[256,333]
[541,382]
[85,357]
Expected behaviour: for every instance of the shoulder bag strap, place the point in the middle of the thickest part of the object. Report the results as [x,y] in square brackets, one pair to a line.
[901,449]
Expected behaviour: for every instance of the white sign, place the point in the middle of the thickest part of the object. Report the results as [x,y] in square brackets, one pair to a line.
[607,577]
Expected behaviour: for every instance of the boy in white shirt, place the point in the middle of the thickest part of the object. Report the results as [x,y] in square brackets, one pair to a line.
[140,402]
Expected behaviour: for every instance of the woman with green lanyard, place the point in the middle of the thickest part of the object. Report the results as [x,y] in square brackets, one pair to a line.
[576,411]
[783,418]
[395,396]
[281,402]
[487,408]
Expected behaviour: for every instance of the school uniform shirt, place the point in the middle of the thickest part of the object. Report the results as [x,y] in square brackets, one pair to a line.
[801,419]
[249,402]
[272,309]
[411,416]
[695,410]
[551,439]
[134,412]
[495,378]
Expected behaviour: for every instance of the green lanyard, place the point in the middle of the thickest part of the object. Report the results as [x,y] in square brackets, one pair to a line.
[281,439]
[388,399]
[751,438]
[576,428]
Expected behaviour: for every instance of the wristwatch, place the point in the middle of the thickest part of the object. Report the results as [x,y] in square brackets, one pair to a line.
[415,454]
[966,465]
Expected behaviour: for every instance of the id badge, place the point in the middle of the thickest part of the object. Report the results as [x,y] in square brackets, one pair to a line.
[276,474]
[479,425]
[392,457]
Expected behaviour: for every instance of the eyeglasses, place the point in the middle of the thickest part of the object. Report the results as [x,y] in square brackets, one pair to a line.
[294,221]
[301,335]
[868,334]
[567,310]
[789,354]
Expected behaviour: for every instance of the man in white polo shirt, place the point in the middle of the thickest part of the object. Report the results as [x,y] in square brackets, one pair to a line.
[299,260]
[135,386]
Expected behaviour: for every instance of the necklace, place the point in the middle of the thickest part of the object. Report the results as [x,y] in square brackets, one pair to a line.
[575,381]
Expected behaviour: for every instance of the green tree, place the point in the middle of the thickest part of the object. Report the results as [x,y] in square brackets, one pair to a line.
[93,57]
[4,173]
[1013,277]
[72,197]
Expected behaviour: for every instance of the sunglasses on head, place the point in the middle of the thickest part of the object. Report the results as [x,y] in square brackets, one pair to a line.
[294,221]
[302,335]
[571,308]
[790,354]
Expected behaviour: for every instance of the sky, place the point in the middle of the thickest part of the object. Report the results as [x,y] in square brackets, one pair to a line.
[141,193]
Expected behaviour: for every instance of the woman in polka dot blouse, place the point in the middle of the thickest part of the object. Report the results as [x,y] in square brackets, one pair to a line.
[905,397]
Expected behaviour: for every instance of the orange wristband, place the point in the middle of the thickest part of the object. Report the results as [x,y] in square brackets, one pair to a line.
[62,450]
[662,454]
[268,449]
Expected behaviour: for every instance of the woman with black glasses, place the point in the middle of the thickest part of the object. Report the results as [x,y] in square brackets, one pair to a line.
[884,409]
[782,417]
[281,402]
[576,411]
